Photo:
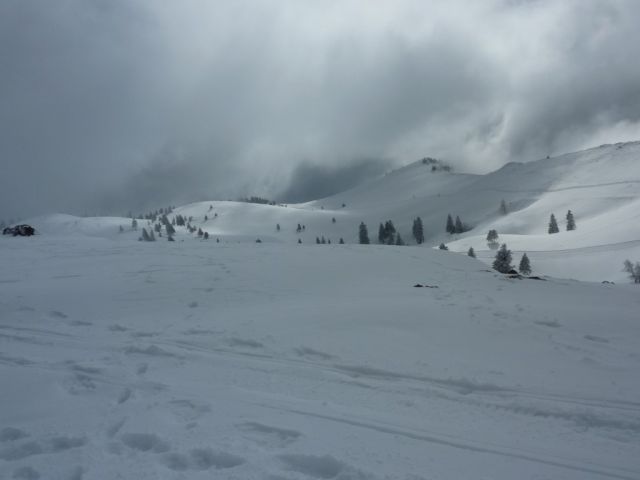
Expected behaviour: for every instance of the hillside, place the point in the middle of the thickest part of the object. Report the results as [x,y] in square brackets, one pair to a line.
[126,359]
[601,186]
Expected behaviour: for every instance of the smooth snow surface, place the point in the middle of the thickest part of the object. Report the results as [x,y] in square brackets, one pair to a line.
[197,360]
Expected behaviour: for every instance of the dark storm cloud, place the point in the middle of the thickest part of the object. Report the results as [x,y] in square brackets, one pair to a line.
[311,182]
[118,105]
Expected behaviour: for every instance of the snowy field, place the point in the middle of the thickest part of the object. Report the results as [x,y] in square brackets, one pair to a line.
[198,360]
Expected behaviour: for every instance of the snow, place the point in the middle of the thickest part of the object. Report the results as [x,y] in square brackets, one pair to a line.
[242,360]
[127,359]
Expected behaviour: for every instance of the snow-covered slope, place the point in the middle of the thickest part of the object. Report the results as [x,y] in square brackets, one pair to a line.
[601,186]
[194,360]
[227,358]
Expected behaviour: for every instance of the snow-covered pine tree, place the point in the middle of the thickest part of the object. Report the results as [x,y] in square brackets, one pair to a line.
[418,231]
[381,234]
[134,224]
[317,240]
[451,228]
[459,227]
[363,234]
[145,235]
[525,266]
[553,225]
[632,270]
[571,223]
[471,252]
[503,207]
[399,240]
[341,242]
[502,262]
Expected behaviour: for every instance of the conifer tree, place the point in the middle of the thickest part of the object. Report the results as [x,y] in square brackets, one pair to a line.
[632,270]
[341,242]
[145,235]
[525,266]
[492,239]
[299,240]
[451,228]
[121,229]
[381,234]
[134,224]
[418,232]
[317,240]
[471,252]
[459,228]
[502,262]
[443,247]
[206,235]
[323,241]
[553,225]
[333,220]
[571,223]
[278,227]
[399,240]
[503,207]
[363,234]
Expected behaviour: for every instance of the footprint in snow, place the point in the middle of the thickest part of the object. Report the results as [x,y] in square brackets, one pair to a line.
[321,467]
[201,459]
[26,473]
[594,338]
[267,435]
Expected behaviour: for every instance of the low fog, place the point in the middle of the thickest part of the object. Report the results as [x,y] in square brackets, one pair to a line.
[117,105]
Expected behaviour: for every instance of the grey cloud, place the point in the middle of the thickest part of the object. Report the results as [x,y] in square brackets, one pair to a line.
[118,105]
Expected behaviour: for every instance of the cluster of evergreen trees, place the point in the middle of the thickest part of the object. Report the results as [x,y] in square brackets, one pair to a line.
[457,226]
[387,234]
[553,224]
[259,200]
[503,258]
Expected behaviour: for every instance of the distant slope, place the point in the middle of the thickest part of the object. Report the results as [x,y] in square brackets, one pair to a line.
[601,186]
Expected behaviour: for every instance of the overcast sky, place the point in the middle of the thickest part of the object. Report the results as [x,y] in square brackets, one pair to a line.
[111,105]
